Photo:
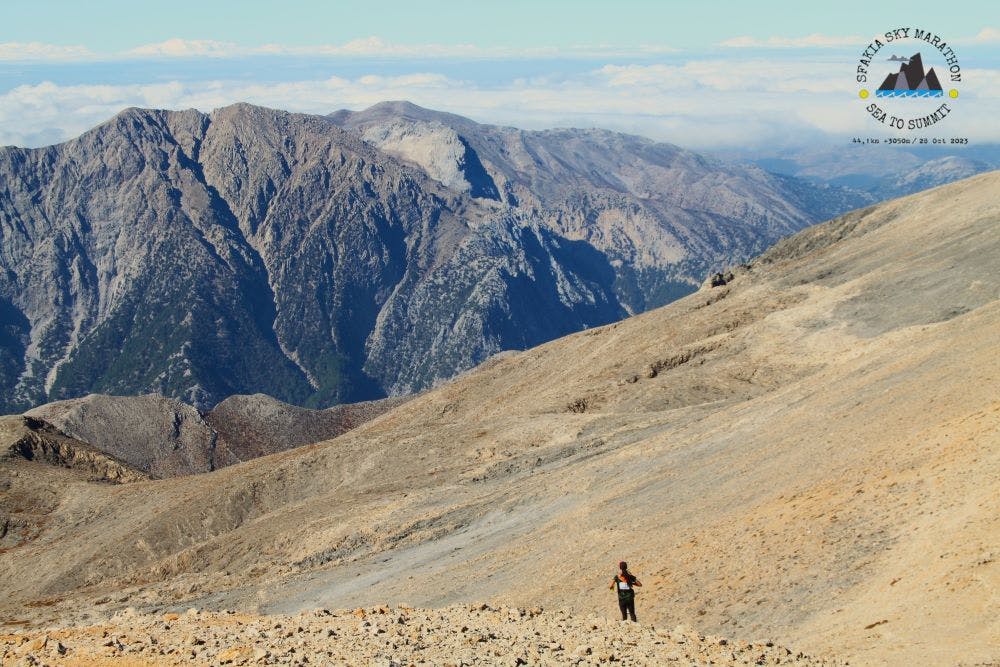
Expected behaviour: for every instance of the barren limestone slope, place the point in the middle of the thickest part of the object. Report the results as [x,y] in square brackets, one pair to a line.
[663,215]
[36,459]
[258,425]
[809,454]
[163,437]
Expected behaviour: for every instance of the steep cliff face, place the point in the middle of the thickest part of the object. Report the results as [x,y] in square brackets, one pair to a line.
[126,272]
[251,250]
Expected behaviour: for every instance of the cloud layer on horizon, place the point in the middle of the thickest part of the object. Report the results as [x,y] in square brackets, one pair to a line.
[720,103]
[367,47]
[807,42]
[376,47]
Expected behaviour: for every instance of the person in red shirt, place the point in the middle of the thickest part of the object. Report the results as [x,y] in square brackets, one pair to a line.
[625,582]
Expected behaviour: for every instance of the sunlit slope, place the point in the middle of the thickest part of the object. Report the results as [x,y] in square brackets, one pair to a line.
[805,451]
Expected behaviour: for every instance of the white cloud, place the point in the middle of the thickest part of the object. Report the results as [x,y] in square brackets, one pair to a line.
[378,47]
[700,104]
[815,40]
[35,51]
[986,36]
[983,83]
[757,75]
[368,47]
[186,48]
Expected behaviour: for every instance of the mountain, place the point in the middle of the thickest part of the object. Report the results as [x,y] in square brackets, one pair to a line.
[664,216]
[933,173]
[931,82]
[805,454]
[31,439]
[200,256]
[882,172]
[256,251]
[258,425]
[158,436]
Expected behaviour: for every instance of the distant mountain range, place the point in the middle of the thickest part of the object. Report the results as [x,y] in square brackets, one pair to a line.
[877,172]
[662,215]
[322,260]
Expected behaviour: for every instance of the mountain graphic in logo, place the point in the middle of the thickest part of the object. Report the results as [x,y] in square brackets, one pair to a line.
[911,81]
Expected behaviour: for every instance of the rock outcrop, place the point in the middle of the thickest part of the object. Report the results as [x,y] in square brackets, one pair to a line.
[33,439]
[160,436]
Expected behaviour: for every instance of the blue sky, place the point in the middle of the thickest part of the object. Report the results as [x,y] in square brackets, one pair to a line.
[114,25]
[705,75]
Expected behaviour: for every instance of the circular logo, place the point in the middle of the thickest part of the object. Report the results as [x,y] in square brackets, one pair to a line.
[909,78]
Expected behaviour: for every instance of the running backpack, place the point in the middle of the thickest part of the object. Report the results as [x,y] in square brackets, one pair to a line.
[624,585]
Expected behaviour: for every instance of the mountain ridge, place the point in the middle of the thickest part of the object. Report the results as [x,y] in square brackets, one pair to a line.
[162,437]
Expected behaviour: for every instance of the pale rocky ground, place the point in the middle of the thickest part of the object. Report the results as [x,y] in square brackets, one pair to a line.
[809,454]
[454,636]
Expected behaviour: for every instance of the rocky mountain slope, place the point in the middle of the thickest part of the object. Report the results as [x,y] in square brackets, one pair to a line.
[160,436]
[163,437]
[256,251]
[663,215]
[258,425]
[29,439]
[808,453]
[36,459]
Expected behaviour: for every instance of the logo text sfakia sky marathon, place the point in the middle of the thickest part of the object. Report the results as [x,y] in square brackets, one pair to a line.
[910,98]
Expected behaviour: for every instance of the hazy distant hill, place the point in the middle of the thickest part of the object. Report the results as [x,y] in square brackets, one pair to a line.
[880,171]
